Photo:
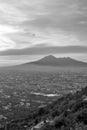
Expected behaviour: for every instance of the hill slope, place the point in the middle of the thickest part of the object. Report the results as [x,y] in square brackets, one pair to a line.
[66,113]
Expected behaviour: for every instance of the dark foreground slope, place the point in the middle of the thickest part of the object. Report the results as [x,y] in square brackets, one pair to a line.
[66,113]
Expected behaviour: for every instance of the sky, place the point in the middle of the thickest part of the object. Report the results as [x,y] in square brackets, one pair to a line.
[31,29]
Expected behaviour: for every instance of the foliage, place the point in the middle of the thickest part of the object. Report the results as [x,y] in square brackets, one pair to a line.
[67,113]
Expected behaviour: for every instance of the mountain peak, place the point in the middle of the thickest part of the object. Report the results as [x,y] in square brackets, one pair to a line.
[50,57]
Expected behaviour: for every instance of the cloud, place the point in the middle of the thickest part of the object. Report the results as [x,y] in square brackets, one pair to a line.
[42,23]
[47,50]
[11,14]
[47,38]
[5,41]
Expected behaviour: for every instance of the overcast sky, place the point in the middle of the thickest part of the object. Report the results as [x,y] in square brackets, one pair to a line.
[34,28]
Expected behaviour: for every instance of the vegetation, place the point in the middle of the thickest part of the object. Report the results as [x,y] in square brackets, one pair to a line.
[67,113]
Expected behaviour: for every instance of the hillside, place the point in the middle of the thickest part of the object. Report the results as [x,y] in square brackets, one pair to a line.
[66,113]
[58,62]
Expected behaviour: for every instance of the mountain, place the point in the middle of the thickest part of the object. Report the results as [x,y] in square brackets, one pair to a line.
[58,62]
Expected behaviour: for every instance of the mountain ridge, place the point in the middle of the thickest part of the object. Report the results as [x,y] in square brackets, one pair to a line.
[51,60]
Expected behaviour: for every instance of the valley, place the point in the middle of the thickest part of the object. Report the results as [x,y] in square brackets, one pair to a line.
[24,91]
